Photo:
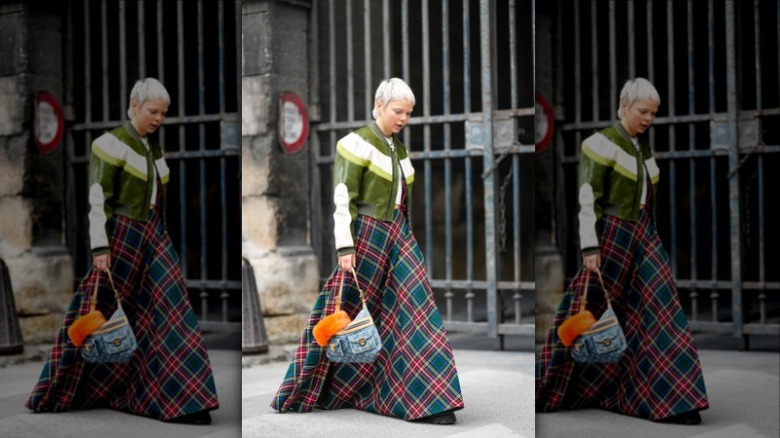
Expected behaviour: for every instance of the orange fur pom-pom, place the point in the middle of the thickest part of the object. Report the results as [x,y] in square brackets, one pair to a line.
[329,326]
[84,326]
[574,326]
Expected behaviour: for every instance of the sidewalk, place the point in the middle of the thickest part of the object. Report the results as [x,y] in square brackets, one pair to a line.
[497,389]
[744,394]
[16,421]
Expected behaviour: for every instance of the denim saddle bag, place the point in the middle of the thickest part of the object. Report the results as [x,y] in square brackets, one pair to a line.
[114,341]
[359,341]
[604,341]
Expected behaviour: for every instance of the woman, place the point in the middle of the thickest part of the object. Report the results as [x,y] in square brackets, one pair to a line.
[169,376]
[659,376]
[414,375]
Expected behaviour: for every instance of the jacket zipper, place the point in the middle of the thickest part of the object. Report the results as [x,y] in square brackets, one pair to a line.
[644,181]
[149,166]
[393,162]
[640,171]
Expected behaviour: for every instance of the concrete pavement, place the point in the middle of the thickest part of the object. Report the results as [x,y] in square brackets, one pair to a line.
[743,388]
[497,389]
[17,381]
[744,394]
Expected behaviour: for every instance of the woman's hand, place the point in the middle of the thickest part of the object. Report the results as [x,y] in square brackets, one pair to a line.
[102,262]
[347,262]
[592,262]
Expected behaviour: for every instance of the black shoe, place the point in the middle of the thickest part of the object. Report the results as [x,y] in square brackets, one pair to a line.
[447,417]
[688,418]
[199,418]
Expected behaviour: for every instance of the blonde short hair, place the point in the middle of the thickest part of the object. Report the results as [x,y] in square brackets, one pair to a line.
[389,90]
[146,89]
[637,89]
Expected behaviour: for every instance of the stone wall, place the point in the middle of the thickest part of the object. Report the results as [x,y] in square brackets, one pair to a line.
[275,186]
[31,184]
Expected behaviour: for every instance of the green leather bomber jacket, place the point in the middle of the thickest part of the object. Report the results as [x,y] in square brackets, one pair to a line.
[366,174]
[611,175]
[119,182]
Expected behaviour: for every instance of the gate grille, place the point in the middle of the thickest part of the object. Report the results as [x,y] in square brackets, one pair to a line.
[468,140]
[194,51]
[715,65]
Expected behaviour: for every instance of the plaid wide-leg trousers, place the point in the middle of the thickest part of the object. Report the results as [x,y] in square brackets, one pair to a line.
[169,375]
[414,375]
[659,375]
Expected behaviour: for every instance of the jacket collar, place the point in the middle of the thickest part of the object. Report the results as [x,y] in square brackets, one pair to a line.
[379,134]
[622,130]
[623,133]
[131,129]
[156,152]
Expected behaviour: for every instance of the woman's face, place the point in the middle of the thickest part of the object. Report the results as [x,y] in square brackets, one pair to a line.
[639,116]
[393,116]
[149,115]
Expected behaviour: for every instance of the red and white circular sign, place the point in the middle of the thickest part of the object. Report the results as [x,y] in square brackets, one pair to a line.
[49,124]
[293,125]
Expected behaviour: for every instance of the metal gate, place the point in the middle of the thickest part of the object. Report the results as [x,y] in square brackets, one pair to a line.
[470,64]
[195,51]
[715,65]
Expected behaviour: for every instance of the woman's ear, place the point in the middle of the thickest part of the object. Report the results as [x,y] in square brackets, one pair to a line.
[133,107]
[378,105]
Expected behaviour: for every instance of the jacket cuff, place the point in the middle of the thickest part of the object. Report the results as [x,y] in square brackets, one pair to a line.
[100,251]
[590,251]
[345,251]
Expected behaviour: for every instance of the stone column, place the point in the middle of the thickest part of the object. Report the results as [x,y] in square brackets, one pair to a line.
[31,184]
[549,263]
[275,186]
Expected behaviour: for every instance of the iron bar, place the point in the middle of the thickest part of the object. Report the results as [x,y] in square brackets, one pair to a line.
[104,58]
[594,61]
[734,195]
[692,147]
[672,142]
[757,54]
[141,41]
[123,90]
[613,62]
[202,165]
[446,103]
[486,66]
[367,57]
[426,66]
[350,64]
[631,44]
[386,39]
[183,253]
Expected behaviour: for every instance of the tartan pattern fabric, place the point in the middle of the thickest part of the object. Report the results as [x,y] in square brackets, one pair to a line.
[659,375]
[169,375]
[414,375]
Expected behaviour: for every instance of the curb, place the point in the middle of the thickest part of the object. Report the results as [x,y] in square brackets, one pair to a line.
[275,353]
[31,353]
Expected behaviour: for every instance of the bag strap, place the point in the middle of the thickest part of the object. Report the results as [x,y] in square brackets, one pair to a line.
[93,297]
[584,298]
[341,287]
